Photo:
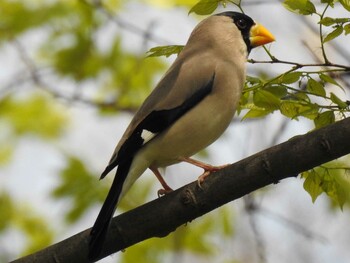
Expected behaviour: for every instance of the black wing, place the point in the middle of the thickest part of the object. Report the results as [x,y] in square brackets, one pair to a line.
[155,123]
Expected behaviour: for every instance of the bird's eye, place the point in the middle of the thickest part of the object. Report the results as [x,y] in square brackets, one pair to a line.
[241,24]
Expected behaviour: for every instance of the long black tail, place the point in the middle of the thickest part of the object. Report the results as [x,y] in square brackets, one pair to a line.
[99,230]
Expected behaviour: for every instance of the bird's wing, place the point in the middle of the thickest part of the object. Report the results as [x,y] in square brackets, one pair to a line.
[184,86]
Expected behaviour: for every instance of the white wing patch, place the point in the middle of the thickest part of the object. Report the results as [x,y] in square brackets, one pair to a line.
[147,136]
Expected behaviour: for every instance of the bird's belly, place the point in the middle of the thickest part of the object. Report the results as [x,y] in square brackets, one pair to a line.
[191,133]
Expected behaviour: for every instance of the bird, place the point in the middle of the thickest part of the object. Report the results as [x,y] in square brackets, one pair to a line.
[191,106]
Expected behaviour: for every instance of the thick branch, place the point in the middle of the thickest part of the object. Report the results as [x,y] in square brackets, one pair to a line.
[163,215]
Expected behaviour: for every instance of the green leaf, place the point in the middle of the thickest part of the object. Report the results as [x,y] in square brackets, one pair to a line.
[36,229]
[341,104]
[6,151]
[205,7]
[256,113]
[37,114]
[293,109]
[310,111]
[332,183]
[328,79]
[290,78]
[7,211]
[316,87]
[243,101]
[324,119]
[302,7]
[21,218]
[346,4]
[335,33]
[300,96]
[164,50]
[347,29]
[20,16]
[329,178]
[289,109]
[266,99]
[78,185]
[278,91]
[84,50]
[327,21]
[312,184]
[131,77]
[253,80]
[341,20]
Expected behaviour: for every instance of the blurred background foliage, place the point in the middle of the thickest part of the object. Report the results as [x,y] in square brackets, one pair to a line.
[72,53]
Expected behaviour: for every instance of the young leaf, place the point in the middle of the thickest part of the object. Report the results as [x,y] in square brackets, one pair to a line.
[327,21]
[310,111]
[77,184]
[302,7]
[265,99]
[278,91]
[347,29]
[38,114]
[290,78]
[316,87]
[302,96]
[253,80]
[335,33]
[256,113]
[324,118]
[164,51]
[327,78]
[312,184]
[293,109]
[290,108]
[341,104]
[204,7]
[346,4]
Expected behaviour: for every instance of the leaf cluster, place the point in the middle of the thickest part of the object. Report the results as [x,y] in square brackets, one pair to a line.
[332,179]
[293,94]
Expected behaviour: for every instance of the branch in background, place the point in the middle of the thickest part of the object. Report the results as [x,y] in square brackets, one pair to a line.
[298,228]
[126,25]
[35,76]
[163,215]
[251,207]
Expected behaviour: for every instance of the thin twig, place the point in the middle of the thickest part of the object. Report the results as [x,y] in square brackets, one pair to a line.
[321,36]
[298,65]
[126,25]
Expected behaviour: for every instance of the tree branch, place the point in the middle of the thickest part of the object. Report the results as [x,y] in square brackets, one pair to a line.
[162,216]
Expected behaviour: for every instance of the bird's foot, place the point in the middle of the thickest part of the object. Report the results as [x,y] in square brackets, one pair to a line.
[166,188]
[208,169]
[162,192]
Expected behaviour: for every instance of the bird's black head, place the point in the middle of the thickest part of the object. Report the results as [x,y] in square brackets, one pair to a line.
[244,23]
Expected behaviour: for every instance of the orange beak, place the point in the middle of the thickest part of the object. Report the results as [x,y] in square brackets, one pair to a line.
[259,35]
